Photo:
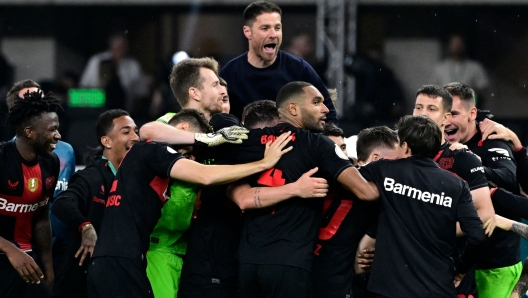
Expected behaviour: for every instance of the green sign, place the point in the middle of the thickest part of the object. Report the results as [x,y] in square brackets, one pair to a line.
[86,98]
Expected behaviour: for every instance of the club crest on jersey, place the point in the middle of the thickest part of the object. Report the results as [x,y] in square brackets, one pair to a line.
[32,184]
[340,153]
[446,163]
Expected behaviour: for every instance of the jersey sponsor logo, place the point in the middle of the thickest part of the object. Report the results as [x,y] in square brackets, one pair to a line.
[446,162]
[477,169]
[439,199]
[496,158]
[500,151]
[340,153]
[98,200]
[32,184]
[21,208]
[12,184]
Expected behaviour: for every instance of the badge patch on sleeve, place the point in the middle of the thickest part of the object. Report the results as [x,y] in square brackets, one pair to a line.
[340,153]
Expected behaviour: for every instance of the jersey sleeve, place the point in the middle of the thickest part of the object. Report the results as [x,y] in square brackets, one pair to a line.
[499,166]
[71,204]
[331,159]
[159,158]
[468,167]
[510,203]
[310,76]
[471,226]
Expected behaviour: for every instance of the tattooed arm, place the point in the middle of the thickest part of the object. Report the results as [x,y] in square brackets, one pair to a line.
[507,225]
[306,186]
[42,241]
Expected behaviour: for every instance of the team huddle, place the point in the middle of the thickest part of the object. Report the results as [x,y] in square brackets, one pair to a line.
[263,202]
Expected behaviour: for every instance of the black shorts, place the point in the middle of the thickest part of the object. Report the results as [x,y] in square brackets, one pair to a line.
[118,277]
[209,291]
[273,281]
[12,285]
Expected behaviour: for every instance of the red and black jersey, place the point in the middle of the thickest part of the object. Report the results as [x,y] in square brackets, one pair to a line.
[345,221]
[464,164]
[134,203]
[24,188]
[285,233]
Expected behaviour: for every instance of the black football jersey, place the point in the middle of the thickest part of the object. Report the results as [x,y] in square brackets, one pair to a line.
[134,203]
[416,236]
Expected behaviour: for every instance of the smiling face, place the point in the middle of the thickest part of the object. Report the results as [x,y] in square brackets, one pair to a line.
[44,133]
[123,136]
[312,109]
[264,37]
[461,126]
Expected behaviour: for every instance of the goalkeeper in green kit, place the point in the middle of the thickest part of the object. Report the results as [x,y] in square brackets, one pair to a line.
[167,241]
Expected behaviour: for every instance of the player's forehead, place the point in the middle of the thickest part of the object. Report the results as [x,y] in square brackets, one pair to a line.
[268,18]
[24,90]
[429,100]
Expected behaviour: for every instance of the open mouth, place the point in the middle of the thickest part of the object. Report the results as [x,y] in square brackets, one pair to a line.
[270,47]
[53,146]
[450,133]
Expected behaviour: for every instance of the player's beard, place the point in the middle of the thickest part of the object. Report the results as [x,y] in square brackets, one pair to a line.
[311,123]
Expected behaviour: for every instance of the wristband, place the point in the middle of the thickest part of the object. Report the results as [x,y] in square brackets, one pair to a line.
[81,226]
[518,149]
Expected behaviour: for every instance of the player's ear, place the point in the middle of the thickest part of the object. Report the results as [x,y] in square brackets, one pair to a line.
[293,109]
[247,31]
[194,93]
[473,113]
[106,141]
[30,132]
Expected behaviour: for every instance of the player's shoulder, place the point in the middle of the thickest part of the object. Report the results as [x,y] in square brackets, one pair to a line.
[233,63]
[291,60]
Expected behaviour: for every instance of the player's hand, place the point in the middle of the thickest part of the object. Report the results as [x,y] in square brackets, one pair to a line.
[232,135]
[24,265]
[311,187]
[274,150]
[515,295]
[497,221]
[457,146]
[365,258]
[89,238]
[493,130]
[458,278]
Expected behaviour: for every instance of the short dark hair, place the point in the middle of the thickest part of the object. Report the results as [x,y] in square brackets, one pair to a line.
[193,117]
[466,93]
[433,91]
[254,9]
[12,94]
[186,74]
[105,122]
[373,138]
[422,135]
[260,111]
[29,108]
[330,129]
[290,91]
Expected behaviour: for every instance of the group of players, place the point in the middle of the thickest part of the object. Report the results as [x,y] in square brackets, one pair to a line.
[199,204]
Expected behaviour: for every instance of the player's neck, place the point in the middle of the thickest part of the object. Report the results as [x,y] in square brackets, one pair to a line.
[292,121]
[196,106]
[472,131]
[112,158]
[258,62]
[25,149]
